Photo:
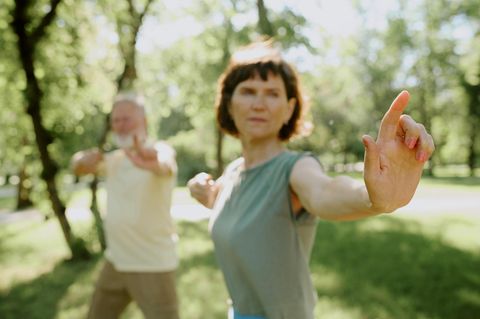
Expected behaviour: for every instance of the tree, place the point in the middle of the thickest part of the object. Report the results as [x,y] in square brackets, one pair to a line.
[264,25]
[433,69]
[470,81]
[189,69]
[29,33]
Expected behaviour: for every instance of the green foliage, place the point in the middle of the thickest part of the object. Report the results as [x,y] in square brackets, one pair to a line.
[190,156]
[180,81]
[16,138]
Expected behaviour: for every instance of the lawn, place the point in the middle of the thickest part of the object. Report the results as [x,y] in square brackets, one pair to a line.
[397,266]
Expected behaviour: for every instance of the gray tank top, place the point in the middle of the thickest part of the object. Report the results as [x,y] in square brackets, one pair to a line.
[262,248]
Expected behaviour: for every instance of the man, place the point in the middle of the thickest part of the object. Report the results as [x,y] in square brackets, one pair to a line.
[140,257]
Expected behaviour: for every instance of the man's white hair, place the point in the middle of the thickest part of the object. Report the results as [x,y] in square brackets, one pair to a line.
[134,98]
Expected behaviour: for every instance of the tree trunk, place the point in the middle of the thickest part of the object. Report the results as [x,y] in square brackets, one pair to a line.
[127,79]
[264,25]
[23,190]
[96,214]
[425,120]
[472,156]
[473,92]
[223,63]
[33,95]
[93,190]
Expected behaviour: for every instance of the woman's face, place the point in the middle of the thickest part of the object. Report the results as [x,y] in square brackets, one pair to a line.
[259,108]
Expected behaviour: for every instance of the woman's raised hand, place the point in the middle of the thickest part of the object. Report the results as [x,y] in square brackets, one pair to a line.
[394,163]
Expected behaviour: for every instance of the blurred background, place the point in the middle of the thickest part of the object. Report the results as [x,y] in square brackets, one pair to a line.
[63,61]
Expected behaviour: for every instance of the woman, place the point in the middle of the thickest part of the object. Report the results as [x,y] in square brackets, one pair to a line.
[266,203]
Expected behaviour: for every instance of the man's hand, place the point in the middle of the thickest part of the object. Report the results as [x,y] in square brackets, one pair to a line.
[147,158]
[86,162]
[394,163]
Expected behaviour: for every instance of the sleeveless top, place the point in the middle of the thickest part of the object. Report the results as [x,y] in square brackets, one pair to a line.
[262,247]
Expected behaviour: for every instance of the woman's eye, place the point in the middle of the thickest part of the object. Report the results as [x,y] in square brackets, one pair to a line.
[273,94]
[248,91]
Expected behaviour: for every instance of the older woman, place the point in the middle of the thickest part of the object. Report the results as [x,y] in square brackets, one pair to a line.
[266,202]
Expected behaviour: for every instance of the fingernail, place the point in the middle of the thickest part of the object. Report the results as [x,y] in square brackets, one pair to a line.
[364,141]
[410,142]
[422,156]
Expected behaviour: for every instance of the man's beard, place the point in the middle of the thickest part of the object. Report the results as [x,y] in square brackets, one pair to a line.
[126,141]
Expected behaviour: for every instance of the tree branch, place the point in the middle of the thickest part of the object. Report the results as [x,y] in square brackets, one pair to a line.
[131,9]
[145,10]
[39,31]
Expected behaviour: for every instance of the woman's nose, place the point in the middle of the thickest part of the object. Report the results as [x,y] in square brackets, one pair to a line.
[258,102]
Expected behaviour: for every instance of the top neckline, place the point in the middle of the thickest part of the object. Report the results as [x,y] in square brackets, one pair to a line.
[246,171]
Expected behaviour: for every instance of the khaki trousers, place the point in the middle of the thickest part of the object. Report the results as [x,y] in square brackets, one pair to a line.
[154,292]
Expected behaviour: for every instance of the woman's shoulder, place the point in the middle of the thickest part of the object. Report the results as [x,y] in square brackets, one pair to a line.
[302,156]
[296,157]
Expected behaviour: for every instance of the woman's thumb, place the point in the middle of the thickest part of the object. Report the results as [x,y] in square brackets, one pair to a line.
[372,156]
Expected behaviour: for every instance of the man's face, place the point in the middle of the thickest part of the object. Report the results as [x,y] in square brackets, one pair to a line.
[127,119]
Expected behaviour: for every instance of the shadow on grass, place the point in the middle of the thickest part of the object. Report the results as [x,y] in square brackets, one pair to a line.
[39,298]
[395,272]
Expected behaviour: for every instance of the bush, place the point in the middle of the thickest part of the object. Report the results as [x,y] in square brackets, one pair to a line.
[191,157]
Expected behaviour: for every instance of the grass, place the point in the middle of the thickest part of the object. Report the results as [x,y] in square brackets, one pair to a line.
[37,282]
[392,268]
[467,183]
[398,266]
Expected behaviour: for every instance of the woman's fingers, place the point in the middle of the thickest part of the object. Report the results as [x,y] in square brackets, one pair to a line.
[409,130]
[425,146]
[415,136]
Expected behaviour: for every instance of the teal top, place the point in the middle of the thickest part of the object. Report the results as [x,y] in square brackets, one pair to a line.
[262,247]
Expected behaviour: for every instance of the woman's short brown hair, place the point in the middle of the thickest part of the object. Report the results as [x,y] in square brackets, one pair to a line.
[258,59]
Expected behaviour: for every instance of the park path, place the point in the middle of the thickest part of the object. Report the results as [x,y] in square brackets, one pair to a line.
[454,200]
[427,200]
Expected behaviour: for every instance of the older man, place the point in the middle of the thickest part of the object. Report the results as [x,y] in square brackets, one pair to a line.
[141,256]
